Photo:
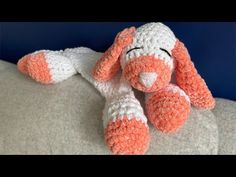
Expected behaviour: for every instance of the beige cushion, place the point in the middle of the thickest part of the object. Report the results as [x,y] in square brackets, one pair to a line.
[225,113]
[66,118]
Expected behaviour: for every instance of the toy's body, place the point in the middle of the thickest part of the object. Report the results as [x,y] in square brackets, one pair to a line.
[146,57]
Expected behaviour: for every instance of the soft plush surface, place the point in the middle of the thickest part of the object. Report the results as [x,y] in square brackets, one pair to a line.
[67,119]
[225,113]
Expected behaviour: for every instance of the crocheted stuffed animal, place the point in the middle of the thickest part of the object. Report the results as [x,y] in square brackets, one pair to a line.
[149,57]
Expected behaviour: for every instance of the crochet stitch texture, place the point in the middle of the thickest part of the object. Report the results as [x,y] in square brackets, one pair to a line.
[144,58]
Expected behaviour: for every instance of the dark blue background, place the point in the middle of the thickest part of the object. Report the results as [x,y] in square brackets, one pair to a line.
[212,45]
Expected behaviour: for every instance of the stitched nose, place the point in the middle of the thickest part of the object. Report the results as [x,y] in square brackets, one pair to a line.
[147,79]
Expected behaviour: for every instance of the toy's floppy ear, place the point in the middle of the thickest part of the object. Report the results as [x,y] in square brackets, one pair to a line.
[189,80]
[109,64]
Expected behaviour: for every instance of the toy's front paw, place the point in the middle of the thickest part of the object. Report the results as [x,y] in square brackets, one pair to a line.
[46,67]
[125,37]
[36,66]
[168,109]
[127,136]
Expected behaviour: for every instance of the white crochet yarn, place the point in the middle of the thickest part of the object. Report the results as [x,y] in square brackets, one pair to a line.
[120,99]
[83,60]
[60,67]
[151,37]
[148,78]
[170,88]
[175,89]
[121,106]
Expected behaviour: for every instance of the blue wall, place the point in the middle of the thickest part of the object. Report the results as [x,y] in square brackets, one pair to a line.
[212,45]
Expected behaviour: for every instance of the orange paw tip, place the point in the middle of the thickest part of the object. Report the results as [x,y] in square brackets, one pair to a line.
[127,136]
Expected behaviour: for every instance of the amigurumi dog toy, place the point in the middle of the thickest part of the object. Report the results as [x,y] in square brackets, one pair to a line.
[150,57]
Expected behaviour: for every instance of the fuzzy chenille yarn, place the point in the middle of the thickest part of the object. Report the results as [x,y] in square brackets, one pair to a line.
[144,58]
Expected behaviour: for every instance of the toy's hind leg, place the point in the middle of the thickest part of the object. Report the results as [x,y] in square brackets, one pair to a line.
[46,67]
[126,129]
[168,108]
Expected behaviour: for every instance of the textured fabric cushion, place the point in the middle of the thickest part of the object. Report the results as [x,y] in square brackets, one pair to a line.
[66,118]
[225,113]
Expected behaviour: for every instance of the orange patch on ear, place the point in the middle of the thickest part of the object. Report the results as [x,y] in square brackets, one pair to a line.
[189,80]
[105,69]
[108,65]
[127,137]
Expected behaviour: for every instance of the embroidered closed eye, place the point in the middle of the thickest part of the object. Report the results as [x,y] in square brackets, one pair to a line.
[164,50]
[135,48]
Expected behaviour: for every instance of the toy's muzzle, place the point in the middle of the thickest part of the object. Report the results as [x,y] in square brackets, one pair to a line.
[147,74]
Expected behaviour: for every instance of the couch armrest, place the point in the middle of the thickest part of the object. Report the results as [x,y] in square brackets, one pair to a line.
[225,113]
[66,118]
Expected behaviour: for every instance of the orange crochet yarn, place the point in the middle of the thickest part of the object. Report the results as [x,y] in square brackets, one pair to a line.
[189,80]
[22,64]
[147,64]
[167,111]
[109,64]
[148,56]
[127,137]
[36,66]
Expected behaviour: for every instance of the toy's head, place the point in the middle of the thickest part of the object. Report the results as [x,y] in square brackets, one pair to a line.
[147,61]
